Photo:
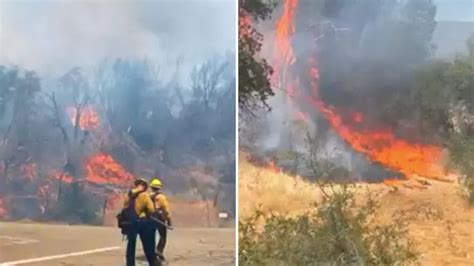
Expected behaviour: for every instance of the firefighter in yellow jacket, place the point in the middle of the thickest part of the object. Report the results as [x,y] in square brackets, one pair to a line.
[139,204]
[162,212]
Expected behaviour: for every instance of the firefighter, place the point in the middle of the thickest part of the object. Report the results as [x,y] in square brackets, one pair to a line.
[138,203]
[162,213]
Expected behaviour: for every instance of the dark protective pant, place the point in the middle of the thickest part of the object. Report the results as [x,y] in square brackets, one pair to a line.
[145,230]
[162,242]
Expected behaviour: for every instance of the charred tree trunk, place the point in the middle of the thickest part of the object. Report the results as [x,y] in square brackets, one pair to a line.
[104,208]
[60,186]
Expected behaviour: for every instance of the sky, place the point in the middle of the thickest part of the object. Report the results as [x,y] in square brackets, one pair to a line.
[51,36]
[455,10]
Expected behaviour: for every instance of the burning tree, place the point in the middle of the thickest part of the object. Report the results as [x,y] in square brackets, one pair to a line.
[315,50]
[97,129]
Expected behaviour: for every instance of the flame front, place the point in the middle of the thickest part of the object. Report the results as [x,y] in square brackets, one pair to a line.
[379,145]
[101,168]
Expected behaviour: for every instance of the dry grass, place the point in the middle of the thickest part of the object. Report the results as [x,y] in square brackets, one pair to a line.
[441,221]
[448,240]
[269,191]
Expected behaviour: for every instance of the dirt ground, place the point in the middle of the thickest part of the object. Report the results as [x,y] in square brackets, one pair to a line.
[46,244]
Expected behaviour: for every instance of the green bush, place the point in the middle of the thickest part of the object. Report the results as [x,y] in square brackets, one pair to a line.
[76,206]
[336,232]
[461,150]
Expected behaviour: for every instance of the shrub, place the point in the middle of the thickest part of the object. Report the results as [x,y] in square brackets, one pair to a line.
[461,150]
[337,232]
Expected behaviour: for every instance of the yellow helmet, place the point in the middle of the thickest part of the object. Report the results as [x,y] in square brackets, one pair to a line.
[156,183]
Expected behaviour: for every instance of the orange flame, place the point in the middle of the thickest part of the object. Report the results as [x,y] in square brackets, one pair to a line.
[382,145]
[284,57]
[89,119]
[357,117]
[66,178]
[273,167]
[379,145]
[284,29]
[101,168]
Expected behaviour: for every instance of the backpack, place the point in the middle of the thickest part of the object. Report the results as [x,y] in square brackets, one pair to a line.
[128,216]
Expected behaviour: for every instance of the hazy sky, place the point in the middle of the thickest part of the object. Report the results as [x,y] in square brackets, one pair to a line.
[455,10]
[49,36]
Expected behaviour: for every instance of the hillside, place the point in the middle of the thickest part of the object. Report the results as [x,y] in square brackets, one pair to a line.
[446,238]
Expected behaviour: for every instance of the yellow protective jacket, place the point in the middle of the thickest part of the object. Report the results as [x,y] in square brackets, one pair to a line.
[162,204]
[143,204]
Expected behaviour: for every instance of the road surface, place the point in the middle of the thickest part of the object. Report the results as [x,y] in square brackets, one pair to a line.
[36,244]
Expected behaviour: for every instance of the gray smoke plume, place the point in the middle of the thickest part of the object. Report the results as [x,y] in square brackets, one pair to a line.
[50,36]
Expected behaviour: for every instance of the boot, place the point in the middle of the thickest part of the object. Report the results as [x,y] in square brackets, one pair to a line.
[160,256]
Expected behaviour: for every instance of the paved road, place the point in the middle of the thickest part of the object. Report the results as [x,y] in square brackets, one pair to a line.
[53,245]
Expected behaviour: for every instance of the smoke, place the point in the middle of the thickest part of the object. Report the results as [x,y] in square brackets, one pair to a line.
[54,36]
[367,52]
[455,10]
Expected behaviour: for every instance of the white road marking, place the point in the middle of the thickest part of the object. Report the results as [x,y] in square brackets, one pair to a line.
[72,254]
[12,240]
